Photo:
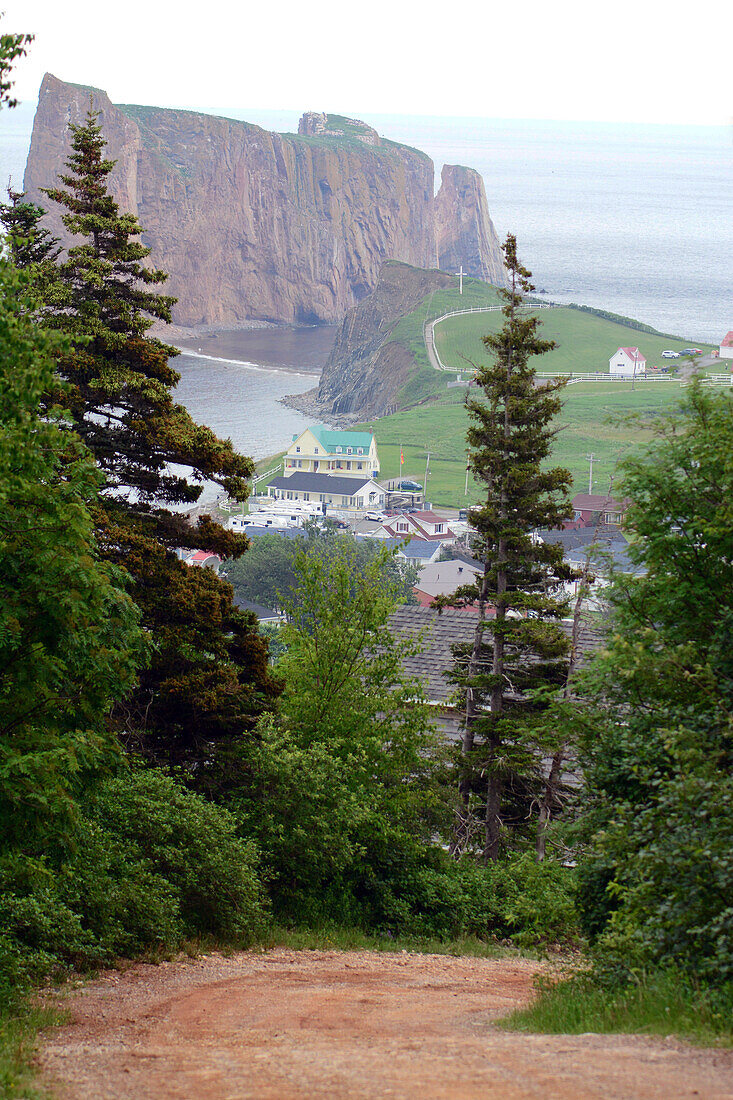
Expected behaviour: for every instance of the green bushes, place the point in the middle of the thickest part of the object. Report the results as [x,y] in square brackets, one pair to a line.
[151,864]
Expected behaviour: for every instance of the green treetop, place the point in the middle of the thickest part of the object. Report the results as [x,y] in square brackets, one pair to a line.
[121,378]
[522,648]
[29,244]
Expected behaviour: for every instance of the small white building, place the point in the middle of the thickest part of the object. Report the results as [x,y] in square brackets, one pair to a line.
[726,346]
[320,450]
[628,362]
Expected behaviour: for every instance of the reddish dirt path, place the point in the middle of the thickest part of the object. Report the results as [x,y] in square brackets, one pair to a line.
[292,1025]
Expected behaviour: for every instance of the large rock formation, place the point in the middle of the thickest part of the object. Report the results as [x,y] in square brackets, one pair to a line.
[464,231]
[252,225]
[367,367]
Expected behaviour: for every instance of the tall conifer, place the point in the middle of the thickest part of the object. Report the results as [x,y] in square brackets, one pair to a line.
[522,647]
[209,678]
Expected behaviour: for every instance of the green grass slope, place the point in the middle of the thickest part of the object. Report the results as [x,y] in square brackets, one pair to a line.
[586,341]
[587,421]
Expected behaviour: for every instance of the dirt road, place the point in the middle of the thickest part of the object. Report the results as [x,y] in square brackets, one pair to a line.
[299,1025]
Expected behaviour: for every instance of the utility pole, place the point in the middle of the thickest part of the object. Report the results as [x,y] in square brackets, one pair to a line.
[590,479]
[427,464]
[468,467]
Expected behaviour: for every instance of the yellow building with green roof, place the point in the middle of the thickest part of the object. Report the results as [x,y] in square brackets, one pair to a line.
[320,450]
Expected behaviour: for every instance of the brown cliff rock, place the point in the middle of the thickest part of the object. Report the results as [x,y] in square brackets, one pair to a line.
[464,232]
[366,369]
[252,225]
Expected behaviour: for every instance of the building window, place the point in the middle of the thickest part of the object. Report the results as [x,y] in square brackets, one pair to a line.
[306,496]
[348,450]
[438,528]
[359,465]
[315,450]
[338,450]
[297,450]
[403,527]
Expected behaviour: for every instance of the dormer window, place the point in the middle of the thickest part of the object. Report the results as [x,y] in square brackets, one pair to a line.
[348,450]
[338,450]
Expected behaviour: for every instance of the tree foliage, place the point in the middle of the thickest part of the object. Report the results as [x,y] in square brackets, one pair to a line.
[522,649]
[267,573]
[29,243]
[69,635]
[343,783]
[12,46]
[657,879]
[208,678]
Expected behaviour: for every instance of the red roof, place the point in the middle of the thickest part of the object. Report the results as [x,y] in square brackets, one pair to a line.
[727,341]
[595,502]
[633,353]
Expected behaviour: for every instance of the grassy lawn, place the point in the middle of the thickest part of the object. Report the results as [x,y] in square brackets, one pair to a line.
[585,342]
[439,426]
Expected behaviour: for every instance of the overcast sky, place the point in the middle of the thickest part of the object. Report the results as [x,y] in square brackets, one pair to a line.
[630,60]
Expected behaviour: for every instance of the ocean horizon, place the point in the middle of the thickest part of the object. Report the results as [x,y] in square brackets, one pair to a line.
[629,217]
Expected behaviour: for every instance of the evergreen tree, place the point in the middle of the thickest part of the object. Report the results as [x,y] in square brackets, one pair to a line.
[522,648]
[209,677]
[29,244]
[69,634]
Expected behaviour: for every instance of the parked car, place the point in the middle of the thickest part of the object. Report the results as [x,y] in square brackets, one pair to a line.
[410,486]
[375,517]
[670,354]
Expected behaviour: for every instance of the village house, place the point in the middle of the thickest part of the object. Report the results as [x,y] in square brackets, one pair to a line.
[420,525]
[628,362]
[349,493]
[326,451]
[442,578]
[202,559]
[726,346]
[588,507]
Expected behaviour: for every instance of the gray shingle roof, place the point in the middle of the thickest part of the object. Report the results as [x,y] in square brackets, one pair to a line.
[442,630]
[320,483]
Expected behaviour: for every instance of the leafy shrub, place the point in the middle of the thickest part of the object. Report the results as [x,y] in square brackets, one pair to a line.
[152,864]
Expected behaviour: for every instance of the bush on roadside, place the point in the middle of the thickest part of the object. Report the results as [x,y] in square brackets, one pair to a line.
[152,864]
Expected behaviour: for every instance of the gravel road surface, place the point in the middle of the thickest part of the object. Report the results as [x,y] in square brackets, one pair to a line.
[299,1025]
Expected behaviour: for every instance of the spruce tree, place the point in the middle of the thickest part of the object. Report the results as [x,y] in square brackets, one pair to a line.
[209,678]
[521,648]
[29,243]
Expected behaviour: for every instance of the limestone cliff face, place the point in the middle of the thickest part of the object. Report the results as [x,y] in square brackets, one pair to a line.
[366,369]
[252,225]
[464,232]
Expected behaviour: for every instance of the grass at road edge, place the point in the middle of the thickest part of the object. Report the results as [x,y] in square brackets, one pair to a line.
[20,1022]
[662,1004]
[352,939]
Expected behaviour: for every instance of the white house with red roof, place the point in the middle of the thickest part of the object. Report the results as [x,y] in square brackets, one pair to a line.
[627,361]
[416,525]
[726,346]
